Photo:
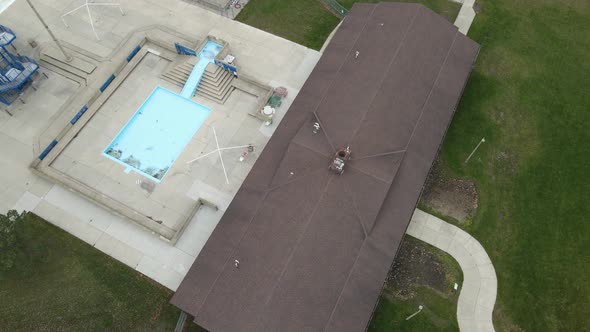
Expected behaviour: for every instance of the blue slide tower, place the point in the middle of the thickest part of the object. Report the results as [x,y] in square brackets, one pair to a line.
[15,71]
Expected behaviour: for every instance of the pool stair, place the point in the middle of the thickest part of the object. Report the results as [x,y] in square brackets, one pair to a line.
[216,83]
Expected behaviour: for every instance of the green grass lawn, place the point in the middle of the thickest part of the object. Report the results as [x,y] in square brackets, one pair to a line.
[63,284]
[399,300]
[445,8]
[307,22]
[528,96]
[303,21]
[439,314]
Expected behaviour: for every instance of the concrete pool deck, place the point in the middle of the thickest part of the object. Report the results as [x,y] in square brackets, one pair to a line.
[270,59]
[165,208]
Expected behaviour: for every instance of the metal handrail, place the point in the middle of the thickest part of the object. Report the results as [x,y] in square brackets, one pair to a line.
[336,8]
[29,68]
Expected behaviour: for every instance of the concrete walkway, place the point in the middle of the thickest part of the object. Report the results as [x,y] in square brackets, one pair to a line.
[478,293]
[465,16]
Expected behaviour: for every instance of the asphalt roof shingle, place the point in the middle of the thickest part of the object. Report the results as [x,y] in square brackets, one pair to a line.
[315,247]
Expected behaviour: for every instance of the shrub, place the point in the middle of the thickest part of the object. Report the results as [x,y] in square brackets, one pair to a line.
[9,225]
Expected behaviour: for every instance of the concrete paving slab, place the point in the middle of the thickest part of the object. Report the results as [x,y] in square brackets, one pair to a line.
[479,288]
[27,202]
[200,189]
[419,217]
[465,16]
[434,223]
[160,272]
[39,186]
[67,222]
[443,242]
[198,230]
[468,324]
[118,250]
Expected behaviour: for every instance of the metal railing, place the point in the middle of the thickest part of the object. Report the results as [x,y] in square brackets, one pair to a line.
[335,7]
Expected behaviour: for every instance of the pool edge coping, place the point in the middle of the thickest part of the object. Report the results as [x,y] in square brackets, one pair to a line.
[42,166]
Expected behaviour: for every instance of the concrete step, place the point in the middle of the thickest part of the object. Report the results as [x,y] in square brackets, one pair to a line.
[192,60]
[219,95]
[215,74]
[220,100]
[64,73]
[216,89]
[76,63]
[212,68]
[173,81]
[213,79]
[183,70]
[63,66]
[187,65]
[217,83]
[180,76]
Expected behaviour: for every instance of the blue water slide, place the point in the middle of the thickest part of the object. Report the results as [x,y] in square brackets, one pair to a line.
[188,91]
[206,56]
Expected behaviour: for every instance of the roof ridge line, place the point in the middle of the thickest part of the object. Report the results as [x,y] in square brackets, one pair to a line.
[278,280]
[379,155]
[271,188]
[365,240]
[431,89]
[357,211]
[317,117]
[294,180]
[385,73]
[371,175]
[343,62]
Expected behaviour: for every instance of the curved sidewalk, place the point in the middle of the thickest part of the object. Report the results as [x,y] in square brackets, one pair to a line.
[478,292]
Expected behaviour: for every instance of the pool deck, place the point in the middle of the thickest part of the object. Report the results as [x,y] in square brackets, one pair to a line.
[270,59]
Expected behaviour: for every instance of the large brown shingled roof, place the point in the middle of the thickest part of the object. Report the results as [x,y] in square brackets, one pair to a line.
[315,247]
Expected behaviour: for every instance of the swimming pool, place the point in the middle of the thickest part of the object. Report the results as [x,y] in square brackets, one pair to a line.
[157,133]
[206,56]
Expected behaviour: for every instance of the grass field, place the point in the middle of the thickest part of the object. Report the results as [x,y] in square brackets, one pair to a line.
[528,96]
[438,315]
[307,22]
[444,8]
[62,284]
[303,21]
[424,276]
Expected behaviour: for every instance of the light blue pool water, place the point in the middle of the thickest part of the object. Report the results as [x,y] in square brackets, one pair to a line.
[157,133]
[206,56]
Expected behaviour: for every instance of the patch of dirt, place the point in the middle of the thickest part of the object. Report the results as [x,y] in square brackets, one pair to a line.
[502,322]
[507,161]
[456,198]
[477,7]
[416,265]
